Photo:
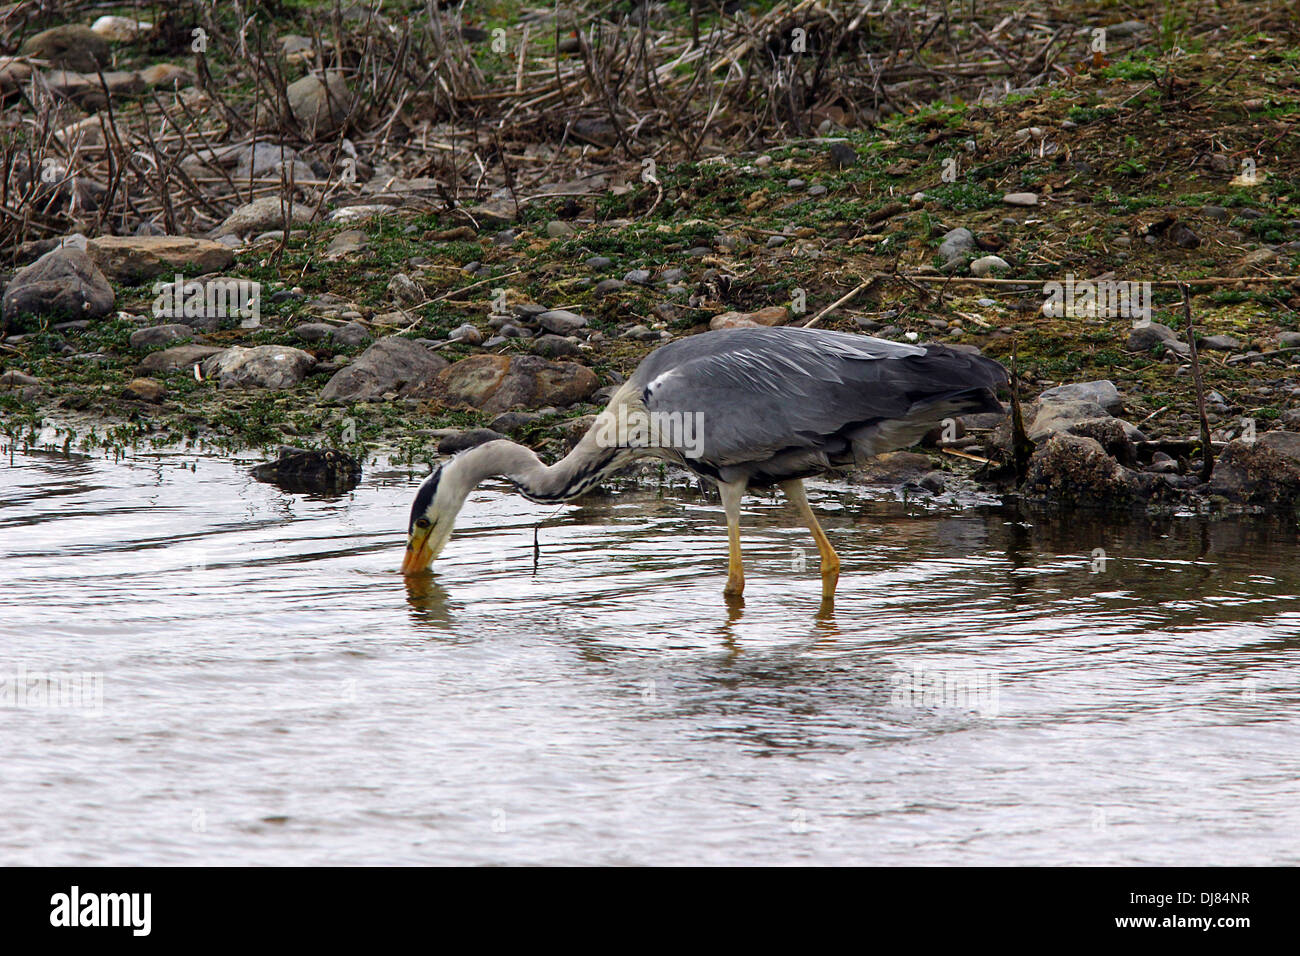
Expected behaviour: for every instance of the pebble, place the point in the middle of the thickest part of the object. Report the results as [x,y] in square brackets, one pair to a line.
[467,334]
[314,331]
[842,155]
[1220,343]
[144,390]
[986,264]
[350,335]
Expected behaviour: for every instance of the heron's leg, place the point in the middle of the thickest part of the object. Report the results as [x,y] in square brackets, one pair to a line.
[731,495]
[830,560]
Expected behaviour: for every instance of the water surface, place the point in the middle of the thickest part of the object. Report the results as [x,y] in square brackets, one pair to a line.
[989,689]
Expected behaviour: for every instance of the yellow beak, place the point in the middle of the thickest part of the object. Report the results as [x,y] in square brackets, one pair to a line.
[418,553]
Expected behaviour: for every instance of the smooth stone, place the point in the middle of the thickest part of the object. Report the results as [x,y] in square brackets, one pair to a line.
[320,106]
[1021,199]
[144,390]
[561,321]
[157,335]
[314,331]
[1101,392]
[391,364]
[1220,343]
[262,366]
[64,283]
[986,265]
[351,334]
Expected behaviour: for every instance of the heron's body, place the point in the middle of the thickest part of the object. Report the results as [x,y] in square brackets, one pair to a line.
[740,408]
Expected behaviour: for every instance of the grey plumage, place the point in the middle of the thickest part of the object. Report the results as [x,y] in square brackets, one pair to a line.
[783,403]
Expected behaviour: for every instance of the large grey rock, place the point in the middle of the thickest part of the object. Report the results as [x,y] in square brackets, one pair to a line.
[561,321]
[499,383]
[390,365]
[131,258]
[319,105]
[1077,471]
[1260,473]
[1286,444]
[64,283]
[263,366]
[261,215]
[1102,392]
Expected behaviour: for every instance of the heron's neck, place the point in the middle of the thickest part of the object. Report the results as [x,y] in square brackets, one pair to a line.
[578,472]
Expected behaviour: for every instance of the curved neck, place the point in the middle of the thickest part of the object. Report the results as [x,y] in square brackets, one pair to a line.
[578,472]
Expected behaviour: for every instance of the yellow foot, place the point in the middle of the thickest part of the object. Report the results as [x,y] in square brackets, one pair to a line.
[830,577]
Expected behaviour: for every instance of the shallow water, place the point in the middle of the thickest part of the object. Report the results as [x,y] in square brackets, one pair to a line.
[273,692]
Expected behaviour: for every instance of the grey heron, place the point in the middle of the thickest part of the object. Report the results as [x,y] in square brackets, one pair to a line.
[740,408]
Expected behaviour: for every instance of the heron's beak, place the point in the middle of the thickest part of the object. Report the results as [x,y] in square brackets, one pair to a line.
[419,553]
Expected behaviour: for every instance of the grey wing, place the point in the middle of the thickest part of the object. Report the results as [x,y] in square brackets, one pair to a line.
[804,399]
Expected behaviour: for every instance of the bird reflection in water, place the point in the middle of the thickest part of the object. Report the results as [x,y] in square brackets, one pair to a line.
[429,601]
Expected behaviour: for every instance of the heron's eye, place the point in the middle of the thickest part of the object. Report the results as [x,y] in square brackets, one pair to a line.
[422,522]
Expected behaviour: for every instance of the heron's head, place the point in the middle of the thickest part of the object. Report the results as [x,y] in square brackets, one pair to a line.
[432,515]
